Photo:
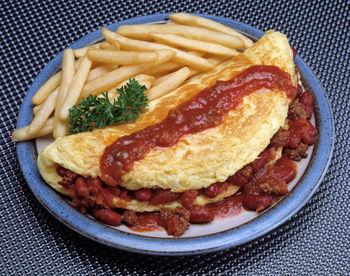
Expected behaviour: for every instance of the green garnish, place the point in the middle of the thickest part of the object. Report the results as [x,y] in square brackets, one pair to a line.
[99,112]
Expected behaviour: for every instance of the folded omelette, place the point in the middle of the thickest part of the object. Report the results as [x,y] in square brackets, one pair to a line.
[197,160]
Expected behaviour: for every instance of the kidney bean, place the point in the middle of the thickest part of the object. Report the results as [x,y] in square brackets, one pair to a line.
[263,158]
[61,171]
[299,90]
[302,129]
[237,179]
[284,173]
[94,182]
[107,216]
[311,135]
[212,190]
[161,196]
[107,196]
[187,198]
[144,194]
[81,187]
[114,190]
[125,195]
[254,202]
[199,214]
[306,100]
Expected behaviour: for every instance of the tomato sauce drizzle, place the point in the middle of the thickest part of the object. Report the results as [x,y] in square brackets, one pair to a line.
[147,222]
[205,110]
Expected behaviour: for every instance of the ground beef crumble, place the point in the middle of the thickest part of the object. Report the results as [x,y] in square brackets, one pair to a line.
[68,178]
[175,221]
[296,154]
[297,111]
[130,218]
[281,138]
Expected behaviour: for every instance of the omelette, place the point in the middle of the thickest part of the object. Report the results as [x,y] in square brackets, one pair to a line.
[196,160]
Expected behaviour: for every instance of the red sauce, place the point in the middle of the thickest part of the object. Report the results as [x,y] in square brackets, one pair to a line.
[285,162]
[147,222]
[206,110]
[230,207]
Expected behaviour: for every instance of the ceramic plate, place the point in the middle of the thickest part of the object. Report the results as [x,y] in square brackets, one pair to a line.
[197,239]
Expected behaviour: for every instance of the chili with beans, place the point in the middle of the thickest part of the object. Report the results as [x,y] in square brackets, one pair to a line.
[261,184]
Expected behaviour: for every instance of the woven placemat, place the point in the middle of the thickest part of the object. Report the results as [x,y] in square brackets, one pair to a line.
[313,242]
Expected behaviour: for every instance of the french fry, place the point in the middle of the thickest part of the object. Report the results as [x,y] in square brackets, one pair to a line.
[216,60]
[148,84]
[105,45]
[116,45]
[113,47]
[169,84]
[162,78]
[43,114]
[164,68]
[36,108]
[21,134]
[97,68]
[144,32]
[68,69]
[76,64]
[60,128]
[46,89]
[80,52]
[145,82]
[193,20]
[111,79]
[122,57]
[171,23]
[142,79]
[169,66]
[195,74]
[136,45]
[99,71]
[208,47]
[76,87]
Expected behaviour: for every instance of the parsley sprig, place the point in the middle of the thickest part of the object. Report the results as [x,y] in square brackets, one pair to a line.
[99,112]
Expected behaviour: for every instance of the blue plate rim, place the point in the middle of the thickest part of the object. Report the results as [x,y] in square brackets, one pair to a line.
[271,219]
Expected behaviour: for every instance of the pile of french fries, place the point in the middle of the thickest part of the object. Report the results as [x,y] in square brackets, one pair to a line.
[160,56]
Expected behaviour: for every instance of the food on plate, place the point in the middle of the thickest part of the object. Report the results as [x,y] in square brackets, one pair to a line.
[109,80]
[98,111]
[195,144]
[60,128]
[180,56]
[21,134]
[193,20]
[122,57]
[197,33]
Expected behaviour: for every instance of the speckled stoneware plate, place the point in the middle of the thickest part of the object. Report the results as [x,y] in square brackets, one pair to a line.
[197,239]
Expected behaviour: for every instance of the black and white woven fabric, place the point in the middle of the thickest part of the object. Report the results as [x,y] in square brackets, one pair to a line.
[315,241]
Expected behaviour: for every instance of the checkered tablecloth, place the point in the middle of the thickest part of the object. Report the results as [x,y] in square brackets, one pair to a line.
[315,241]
